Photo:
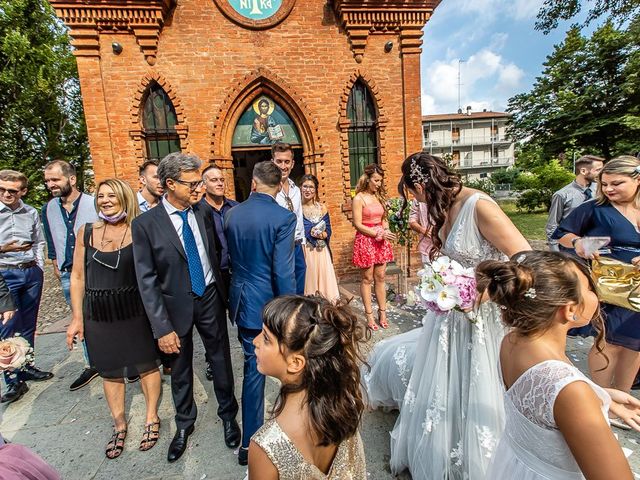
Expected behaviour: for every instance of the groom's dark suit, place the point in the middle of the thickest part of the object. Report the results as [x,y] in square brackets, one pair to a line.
[260,237]
[165,286]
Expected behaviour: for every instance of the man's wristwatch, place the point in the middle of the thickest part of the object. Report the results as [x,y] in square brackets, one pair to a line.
[574,241]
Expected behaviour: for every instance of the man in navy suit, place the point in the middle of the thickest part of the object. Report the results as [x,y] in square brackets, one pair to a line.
[261,239]
[181,286]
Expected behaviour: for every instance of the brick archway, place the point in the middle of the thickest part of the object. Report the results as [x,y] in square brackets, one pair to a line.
[344,123]
[264,82]
[137,105]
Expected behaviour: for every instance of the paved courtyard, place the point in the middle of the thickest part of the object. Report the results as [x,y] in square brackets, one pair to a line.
[71,429]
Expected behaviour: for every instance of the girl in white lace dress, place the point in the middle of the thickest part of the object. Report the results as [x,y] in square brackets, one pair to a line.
[556,418]
[443,376]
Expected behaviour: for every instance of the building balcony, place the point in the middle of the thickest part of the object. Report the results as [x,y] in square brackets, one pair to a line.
[497,162]
[467,141]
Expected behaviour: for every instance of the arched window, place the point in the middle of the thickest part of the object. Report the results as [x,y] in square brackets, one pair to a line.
[159,124]
[363,130]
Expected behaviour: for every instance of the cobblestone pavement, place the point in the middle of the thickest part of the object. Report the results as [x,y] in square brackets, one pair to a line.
[71,429]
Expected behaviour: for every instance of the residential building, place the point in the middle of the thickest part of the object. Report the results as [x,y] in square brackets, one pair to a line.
[476,142]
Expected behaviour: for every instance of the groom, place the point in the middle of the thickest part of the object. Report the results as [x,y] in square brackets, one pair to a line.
[260,238]
[181,287]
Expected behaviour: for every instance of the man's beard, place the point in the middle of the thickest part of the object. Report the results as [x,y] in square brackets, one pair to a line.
[153,193]
[64,191]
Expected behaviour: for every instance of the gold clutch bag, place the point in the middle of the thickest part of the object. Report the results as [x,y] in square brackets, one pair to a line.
[617,283]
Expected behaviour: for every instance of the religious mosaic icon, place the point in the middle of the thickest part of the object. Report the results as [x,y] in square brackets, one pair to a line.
[264,123]
[256,9]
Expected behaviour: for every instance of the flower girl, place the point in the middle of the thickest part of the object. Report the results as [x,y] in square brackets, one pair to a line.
[556,418]
[313,348]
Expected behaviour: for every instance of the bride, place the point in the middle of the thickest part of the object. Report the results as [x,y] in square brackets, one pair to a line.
[443,377]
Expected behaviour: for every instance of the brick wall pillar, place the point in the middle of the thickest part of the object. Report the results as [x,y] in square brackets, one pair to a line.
[96,115]
[410,45]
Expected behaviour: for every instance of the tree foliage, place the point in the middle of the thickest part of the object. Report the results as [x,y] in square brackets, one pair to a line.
[538,186]
[41,116]
[587,97]
[553,11]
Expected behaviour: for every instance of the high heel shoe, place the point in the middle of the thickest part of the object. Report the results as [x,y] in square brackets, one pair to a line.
[371,323]
[383,321]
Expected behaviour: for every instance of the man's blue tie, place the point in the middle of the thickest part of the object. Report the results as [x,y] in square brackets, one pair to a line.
[588,194]
[196,272]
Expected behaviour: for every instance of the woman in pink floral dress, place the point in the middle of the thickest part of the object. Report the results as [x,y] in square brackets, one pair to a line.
[371,247]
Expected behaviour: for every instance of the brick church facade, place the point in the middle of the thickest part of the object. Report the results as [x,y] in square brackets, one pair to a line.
[223,79]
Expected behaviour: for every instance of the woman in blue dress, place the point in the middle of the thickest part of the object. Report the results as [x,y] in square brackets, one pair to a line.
[615,213]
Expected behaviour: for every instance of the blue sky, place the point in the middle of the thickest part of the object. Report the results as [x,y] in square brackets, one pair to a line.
[503,53]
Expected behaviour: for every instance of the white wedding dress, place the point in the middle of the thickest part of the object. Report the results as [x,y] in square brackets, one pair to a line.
[532,447]
[444,378]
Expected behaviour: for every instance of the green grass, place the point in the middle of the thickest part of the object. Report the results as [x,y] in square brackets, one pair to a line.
[530,224]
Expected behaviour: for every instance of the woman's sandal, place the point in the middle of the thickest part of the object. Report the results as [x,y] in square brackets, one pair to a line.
[383,322]
[371,323]
[116,444]
[150,436]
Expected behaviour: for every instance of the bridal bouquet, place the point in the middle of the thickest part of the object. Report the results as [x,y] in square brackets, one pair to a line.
[446,285]
[15,352]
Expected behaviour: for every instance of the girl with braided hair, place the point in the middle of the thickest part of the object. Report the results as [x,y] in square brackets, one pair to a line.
[313,348]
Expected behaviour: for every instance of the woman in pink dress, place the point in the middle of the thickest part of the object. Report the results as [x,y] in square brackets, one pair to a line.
[320,277]
[371,247]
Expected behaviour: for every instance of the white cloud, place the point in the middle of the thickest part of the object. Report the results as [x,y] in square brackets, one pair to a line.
[524,9]
[486,77]
[510,77]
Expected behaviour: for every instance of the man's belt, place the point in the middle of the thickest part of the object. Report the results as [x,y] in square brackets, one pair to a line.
[299,241]
[21,266]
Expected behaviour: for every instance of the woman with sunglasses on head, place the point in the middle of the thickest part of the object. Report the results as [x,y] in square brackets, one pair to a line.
[372,248]
[108,311]
[615,213]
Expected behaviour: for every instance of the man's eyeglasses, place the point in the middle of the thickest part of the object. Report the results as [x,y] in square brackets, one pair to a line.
[10,191]
[192,185]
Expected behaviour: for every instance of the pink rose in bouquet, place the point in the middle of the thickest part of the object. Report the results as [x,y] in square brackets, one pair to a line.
[15,352]
[446,285]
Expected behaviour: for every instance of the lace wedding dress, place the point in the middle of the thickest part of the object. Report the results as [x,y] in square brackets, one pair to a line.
[444,378]
[532,447]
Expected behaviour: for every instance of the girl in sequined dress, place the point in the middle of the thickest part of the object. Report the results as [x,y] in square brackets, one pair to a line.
[313,348]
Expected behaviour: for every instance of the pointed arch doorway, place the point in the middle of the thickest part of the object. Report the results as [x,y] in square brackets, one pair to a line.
[263,123]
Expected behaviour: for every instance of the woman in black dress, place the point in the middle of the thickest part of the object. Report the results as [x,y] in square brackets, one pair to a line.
[108,311]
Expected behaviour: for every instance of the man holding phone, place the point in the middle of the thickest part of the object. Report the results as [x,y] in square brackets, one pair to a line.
[21,264]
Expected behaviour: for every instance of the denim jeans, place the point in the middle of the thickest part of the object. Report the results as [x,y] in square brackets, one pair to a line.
[65,283]
[26,288]
[252,387]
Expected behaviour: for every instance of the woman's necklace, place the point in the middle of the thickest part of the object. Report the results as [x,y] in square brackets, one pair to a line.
[103,243]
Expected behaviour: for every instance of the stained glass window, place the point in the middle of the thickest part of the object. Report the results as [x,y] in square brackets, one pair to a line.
[362,132]
[159,122]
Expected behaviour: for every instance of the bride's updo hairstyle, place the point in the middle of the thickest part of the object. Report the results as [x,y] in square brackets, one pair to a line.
[531,287]
[441,186]
[331,338]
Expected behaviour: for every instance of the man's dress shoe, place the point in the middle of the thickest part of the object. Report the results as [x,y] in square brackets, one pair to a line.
[232,433]
[179,444]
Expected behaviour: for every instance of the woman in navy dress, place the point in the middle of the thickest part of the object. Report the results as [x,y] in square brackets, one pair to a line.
[615,213]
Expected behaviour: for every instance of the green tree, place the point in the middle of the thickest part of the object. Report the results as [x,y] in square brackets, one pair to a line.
[586,97]
[505,176]
[552,11]
[41,116]
[538,186]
